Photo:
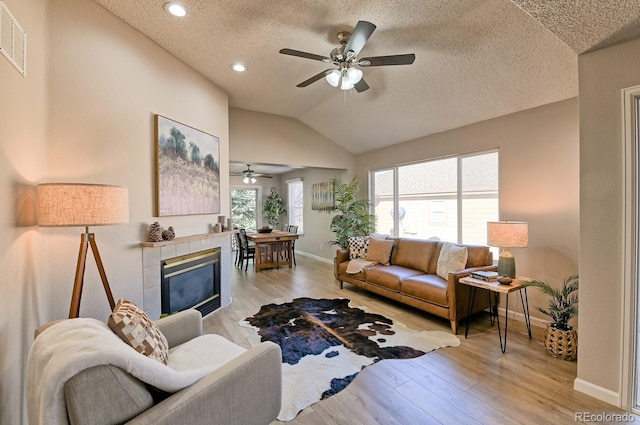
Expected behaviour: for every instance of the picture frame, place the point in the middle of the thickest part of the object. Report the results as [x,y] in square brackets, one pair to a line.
[322,196]
[187,165]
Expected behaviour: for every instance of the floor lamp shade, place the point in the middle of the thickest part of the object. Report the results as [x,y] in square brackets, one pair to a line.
[69,204]
[506,235]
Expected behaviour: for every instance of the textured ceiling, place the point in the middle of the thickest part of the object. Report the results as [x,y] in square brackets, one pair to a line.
[475,60]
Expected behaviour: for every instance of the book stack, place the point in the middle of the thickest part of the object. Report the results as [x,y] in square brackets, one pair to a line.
[486,276]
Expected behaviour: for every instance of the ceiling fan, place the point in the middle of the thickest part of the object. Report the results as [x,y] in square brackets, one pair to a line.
[250,175]
[345,58]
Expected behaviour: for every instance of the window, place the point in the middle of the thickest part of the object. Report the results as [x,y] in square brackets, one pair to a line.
[450,198]
[244,204]
[295,203]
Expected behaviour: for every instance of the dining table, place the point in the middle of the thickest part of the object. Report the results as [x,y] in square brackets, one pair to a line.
[273,249]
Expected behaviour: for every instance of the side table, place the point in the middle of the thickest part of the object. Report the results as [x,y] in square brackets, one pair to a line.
[495,288]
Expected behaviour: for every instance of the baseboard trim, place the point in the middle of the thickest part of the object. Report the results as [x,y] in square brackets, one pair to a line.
[315,257]
[540,323]
[596,391]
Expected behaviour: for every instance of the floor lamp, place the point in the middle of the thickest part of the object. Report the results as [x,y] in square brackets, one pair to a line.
[69,204]
[506,235]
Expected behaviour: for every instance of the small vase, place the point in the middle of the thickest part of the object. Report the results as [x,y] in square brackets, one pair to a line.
[561,344]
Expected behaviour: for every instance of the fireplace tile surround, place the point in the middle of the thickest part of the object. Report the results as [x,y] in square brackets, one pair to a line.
[154,252]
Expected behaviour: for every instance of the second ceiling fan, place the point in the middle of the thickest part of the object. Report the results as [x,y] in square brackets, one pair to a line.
[346,75]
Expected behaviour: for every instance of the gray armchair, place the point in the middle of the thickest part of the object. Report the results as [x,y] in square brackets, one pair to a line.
[245,391]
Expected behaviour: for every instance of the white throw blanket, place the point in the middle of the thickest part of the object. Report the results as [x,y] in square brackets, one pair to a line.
[358,264]
[68,347]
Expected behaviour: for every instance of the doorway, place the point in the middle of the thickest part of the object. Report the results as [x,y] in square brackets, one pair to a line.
[630,379]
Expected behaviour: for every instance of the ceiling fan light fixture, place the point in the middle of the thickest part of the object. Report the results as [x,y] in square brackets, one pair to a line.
[245,180]
[333,78]
[253,180]
[175,9]
[355,75]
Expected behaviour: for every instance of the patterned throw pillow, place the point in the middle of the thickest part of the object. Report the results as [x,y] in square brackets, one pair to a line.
[358,246]
[379,251]
[135,328]
[452,258]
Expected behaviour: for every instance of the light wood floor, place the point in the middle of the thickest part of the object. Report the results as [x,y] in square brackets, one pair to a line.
[473,383]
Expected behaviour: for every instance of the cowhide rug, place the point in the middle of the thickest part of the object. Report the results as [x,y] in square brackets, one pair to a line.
[325,343]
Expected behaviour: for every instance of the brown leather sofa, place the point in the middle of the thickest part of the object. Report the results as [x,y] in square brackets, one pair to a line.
[411,278]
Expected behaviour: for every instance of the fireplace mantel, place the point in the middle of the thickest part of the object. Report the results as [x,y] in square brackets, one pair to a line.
[184,239]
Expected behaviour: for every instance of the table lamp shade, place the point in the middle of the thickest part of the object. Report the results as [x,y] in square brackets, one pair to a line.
[508,234]
[505,235]
[68,204]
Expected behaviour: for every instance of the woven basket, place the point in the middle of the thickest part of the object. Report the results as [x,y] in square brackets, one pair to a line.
[561,344]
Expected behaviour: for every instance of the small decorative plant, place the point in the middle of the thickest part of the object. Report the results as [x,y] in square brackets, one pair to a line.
[563,305]
[560,339]
[353,218]
[274,208]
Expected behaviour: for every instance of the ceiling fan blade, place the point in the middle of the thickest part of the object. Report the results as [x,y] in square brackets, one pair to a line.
[359,37]
[388,60]
[361,86]
[305,55]
[315,78]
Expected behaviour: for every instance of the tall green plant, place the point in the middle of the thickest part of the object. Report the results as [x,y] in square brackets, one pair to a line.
[274,208]
[563,305]
[353,217]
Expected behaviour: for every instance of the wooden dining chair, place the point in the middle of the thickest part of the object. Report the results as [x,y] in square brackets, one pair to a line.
[293,229]
[246,252]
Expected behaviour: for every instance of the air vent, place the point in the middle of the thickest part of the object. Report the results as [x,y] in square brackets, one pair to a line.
[13,39]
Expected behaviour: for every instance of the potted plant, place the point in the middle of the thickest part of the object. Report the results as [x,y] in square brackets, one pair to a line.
[353,217]
[561,339]
[274,208]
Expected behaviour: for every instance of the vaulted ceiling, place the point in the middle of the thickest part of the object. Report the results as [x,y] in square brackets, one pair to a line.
[475,60]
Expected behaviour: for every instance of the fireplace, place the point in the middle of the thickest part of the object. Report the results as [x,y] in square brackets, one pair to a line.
[191,281]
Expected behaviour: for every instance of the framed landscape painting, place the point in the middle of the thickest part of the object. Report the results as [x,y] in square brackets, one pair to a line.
[187,169]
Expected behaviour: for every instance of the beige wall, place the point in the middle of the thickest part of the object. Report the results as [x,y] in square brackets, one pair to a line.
[84,113]
[24,293]
[603,74]
[539,180]
[274,139]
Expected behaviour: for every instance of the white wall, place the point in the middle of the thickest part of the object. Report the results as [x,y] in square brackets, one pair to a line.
[24,292]
[603,74]
[257,137]
[539,181]
[84,113]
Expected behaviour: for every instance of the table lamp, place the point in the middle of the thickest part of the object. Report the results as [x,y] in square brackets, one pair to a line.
[506,235]
[69,204]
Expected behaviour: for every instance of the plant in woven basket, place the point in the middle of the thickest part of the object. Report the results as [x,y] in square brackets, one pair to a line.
[561,339]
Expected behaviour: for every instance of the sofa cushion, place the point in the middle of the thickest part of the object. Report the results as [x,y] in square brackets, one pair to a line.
[389,276]
[135,328]
[452,258]
[414,253]
[426,287]
[342,269]
[358,246]
[91,395]
[379,251]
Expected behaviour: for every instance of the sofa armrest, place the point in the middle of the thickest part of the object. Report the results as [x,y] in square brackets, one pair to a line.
[181,327]
[454,277]
[342,255]
[245,391]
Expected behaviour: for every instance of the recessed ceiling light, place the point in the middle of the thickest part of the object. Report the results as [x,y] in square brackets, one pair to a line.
[238,67]
[175,9]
